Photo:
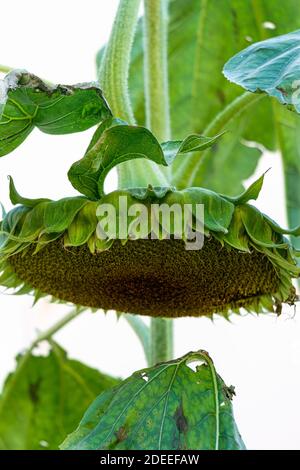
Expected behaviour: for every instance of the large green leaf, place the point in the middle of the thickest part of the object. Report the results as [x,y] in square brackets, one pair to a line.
[45,398]
[167,407]
[271,66]
[115,142]
[27,102]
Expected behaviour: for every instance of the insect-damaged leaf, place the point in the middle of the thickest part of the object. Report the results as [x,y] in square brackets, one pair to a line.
[168,406]
[45,398]
[27,102]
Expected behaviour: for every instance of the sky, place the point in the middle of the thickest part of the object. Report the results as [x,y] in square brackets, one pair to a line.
[260,356]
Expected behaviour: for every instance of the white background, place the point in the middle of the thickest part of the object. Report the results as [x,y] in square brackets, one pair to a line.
[58,40]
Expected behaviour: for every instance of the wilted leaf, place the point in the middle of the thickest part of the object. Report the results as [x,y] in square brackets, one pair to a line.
[116,142]
[169,406]
[27,102]
[45,398]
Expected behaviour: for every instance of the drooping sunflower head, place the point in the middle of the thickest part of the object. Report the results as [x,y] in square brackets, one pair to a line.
[53,247]
[242,259]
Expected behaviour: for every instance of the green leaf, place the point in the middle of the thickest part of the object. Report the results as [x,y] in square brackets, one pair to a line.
[27,102]
[116,142]
[44,399]
[169,406]
[192,143]
[223,168]
[271,66]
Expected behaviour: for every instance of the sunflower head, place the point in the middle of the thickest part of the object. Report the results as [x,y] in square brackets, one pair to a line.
[53,247]
[146,266]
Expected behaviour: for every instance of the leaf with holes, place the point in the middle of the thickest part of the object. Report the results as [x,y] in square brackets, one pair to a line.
[169,406]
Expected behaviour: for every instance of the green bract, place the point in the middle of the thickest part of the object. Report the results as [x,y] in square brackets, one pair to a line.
[52,247]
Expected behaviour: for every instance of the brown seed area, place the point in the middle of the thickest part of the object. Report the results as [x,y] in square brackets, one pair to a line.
[149,277]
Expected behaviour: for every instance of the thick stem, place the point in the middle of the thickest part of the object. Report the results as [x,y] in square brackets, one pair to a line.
[114,69]
[158,119]
[161,338]
[113,77]
[156,68]
[114,73]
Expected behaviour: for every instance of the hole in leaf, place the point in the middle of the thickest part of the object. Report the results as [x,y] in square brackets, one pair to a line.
[42,349]
[194,364]
[44,443]
[269,25]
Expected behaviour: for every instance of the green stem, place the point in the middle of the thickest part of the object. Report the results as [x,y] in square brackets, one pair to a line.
[113,77]
[114,69]
[232,110]
[5,69]
[158,119]
[188,170]
[156,68]
[161,338]
[142,331]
